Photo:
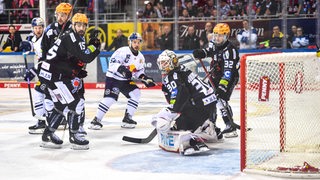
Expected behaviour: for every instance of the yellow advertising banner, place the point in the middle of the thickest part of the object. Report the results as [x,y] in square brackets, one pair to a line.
[127,29]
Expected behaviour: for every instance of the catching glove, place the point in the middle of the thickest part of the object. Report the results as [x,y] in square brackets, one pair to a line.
[147,81]
[199,53]
[82,74]
[30,74]
[221,92]
[125,72]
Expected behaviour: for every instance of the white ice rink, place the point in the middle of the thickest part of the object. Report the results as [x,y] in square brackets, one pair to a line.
[108,157]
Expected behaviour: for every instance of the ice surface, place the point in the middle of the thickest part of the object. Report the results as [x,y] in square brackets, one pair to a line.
[108,157]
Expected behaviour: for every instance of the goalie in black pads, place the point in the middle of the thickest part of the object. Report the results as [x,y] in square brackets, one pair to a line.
[184,126]
[224,72]
[62,72]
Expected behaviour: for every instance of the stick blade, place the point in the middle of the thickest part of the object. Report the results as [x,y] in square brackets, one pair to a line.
[141,140]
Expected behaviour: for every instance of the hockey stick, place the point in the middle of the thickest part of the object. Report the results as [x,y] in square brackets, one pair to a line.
[233,124]
[29,87]
[141,140]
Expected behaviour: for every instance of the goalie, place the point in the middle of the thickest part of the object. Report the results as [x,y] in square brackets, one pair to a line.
[185,125]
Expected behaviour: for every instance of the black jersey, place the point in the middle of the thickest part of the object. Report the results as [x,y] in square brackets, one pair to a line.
[225,63]
[51,34]
[183,88]
[63,59]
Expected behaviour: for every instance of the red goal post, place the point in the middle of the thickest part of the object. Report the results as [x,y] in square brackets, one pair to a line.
[280,102]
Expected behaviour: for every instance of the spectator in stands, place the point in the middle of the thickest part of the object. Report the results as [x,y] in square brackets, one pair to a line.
[3,13]
[191,41]
[166,39]
[26,14]
[291,35]
[159,10]
[185,15]
[208,8]
[267,8]
[276,38]
[208,29]
[300,41]
[149,11]
[247,37]
[119,41]
[192,10]
[13,40]
[224,9]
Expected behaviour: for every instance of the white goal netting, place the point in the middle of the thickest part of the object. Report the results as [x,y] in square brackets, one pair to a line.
[280,101]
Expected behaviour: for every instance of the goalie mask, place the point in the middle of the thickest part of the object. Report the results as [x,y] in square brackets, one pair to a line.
[167,61]
[221,33]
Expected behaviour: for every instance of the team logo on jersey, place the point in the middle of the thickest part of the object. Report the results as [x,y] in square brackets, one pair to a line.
[127,58]
[76,83]
[227,74]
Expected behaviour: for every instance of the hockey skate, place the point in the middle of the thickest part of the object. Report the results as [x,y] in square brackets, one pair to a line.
[38,128]
[230,132]
[81,131]
[78,142]
[50,140]
[197,146]
[127,122]
[95,124]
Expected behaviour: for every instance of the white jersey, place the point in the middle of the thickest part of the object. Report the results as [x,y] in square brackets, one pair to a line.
[124,56]
[36,44]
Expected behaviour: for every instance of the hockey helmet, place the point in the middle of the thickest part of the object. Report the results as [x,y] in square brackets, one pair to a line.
[221,29]
[167,61]
[38,21]
[79,18]
[64,8]
[134,36]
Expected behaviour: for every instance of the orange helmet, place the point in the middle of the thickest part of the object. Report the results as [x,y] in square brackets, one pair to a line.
[221,28]
[79,17]
[64,8]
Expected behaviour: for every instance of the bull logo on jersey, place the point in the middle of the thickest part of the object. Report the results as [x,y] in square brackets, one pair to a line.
[77,84]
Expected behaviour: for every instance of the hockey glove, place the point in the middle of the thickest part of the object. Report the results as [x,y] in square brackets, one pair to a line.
[199,53]
[25,46]
[30,74]
[221,92]
[95,42]
[82,74]
[147,81]
[125,72]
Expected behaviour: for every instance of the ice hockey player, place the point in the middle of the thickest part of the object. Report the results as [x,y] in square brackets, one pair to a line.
[186,124]
[35,38]
[62,74]
[224,71]
[63,12]
[125,63]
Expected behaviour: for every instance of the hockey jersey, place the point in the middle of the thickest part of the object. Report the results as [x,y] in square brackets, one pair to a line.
[225,63]
[51,34]
[183,88]
[67,57]
[36,42]
[124,56]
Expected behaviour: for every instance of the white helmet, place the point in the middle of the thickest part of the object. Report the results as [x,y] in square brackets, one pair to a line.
[167,61]
[134,36]
[38,21]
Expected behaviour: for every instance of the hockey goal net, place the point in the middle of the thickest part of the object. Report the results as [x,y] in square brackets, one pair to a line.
[280,114]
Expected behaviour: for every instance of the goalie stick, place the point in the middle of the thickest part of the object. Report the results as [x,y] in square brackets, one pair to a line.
[141,140]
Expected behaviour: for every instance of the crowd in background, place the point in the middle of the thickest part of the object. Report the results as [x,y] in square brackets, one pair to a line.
[21,11]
